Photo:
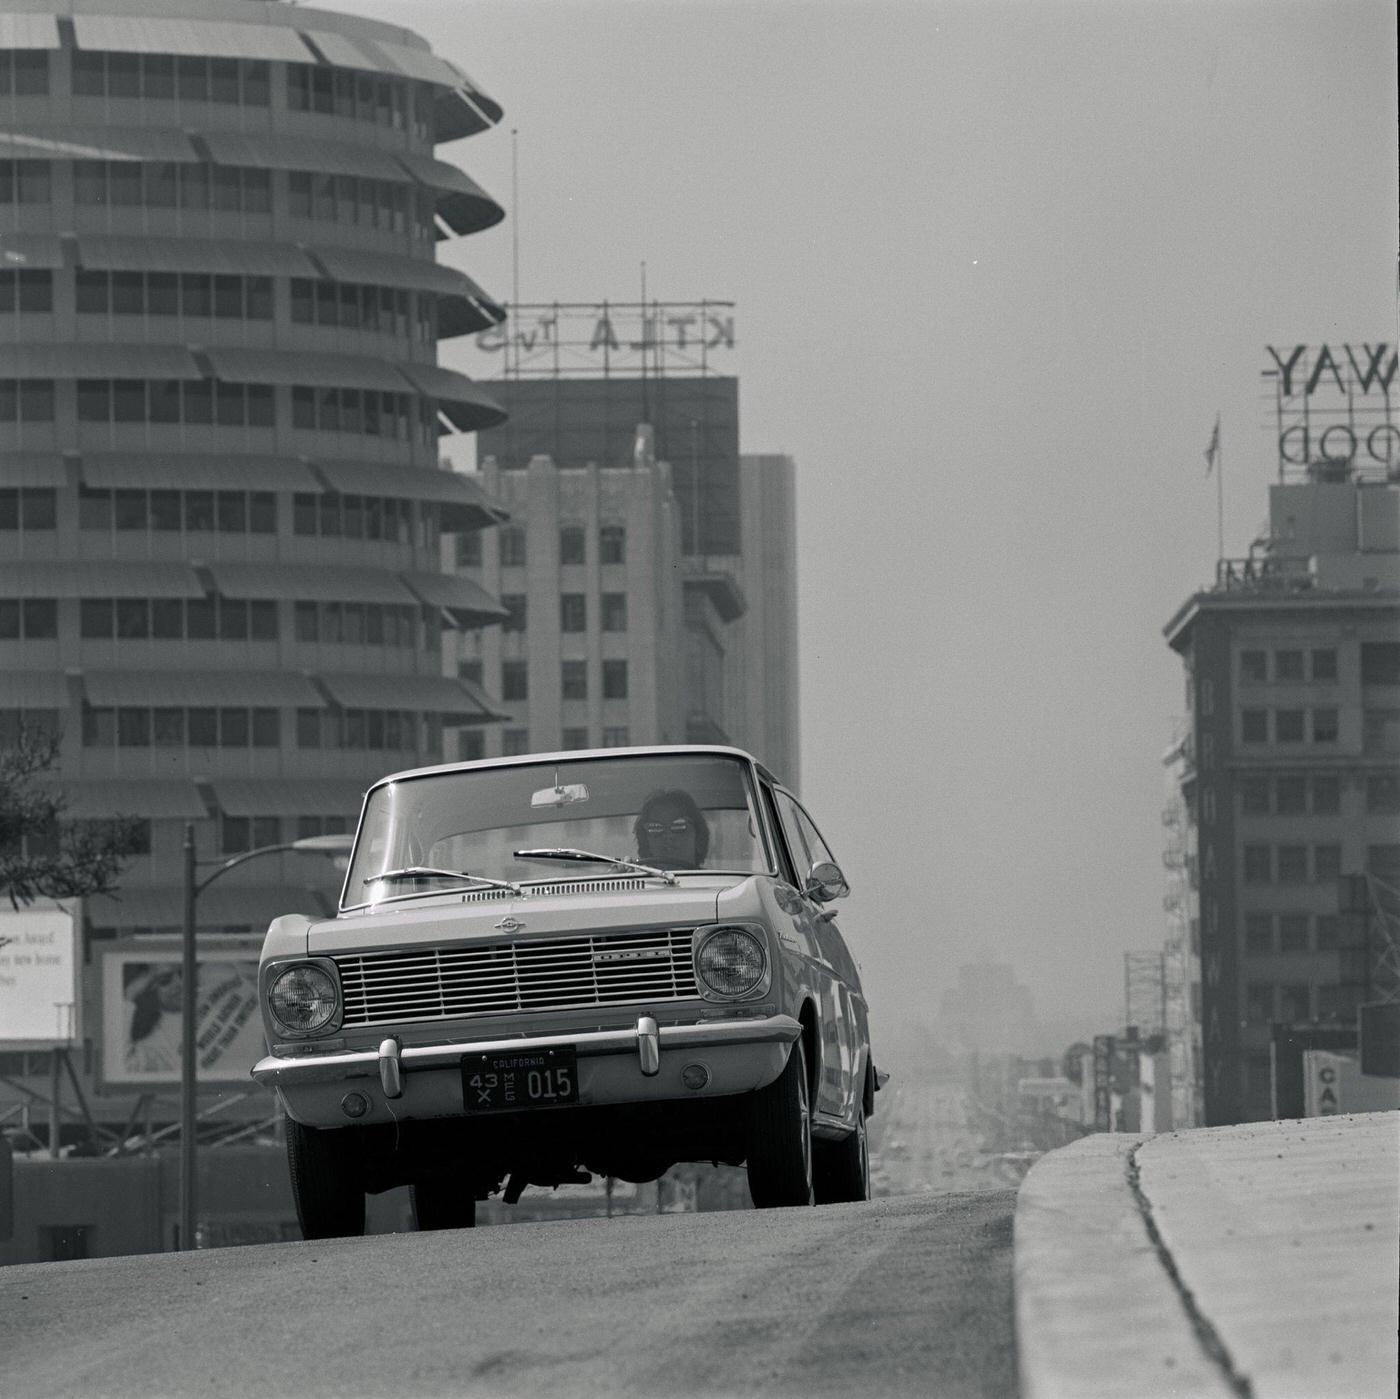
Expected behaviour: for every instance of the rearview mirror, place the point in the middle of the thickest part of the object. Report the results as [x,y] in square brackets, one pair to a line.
[560,796]
[826,882]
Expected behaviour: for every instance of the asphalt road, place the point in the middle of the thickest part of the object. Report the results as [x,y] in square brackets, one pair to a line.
[905,1295]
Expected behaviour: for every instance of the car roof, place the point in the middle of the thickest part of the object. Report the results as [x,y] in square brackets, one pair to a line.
[574,755]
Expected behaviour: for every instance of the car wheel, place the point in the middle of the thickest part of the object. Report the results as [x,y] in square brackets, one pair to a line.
[326,1181]
[780,1138]
[843,1168]
[442,1204]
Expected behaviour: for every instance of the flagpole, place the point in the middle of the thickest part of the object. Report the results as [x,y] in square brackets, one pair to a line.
[1219,496]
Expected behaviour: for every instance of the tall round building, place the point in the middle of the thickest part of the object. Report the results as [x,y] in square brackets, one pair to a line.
[221,498]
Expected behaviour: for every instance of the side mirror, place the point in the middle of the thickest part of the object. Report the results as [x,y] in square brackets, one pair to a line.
[826,882]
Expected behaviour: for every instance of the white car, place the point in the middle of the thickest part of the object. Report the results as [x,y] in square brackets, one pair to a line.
[556,966]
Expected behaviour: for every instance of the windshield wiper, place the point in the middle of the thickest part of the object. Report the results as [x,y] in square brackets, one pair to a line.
[428,872]
[587,857]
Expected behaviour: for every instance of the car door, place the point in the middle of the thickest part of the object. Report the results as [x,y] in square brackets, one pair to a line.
[842,1018]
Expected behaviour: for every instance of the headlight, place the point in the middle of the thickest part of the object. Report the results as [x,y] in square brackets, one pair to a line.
[731,962]
[303,999]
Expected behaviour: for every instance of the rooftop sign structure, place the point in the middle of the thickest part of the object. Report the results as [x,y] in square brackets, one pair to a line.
[628,339]
[1335,404]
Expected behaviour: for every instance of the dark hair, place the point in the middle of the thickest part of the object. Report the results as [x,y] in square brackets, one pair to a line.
[677,797]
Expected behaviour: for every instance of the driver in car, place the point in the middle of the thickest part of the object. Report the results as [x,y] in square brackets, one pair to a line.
[671,831]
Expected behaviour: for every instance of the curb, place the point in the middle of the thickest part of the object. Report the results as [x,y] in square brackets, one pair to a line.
[1096,1310]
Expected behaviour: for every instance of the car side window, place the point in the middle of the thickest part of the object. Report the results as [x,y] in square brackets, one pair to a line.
[797,841]
[816,846]
[785,861]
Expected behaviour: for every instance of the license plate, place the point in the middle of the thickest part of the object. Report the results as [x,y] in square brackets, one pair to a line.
[521,1078]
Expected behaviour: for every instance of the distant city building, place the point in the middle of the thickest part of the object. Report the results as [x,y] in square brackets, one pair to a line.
[1287,778]
[221,502]
[614,401]
[589,573]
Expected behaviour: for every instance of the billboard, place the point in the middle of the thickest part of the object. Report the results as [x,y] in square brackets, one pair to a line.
[564,339]
[38,976]
[141,992]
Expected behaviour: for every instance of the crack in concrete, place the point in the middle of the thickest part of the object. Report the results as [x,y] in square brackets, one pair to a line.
[1210,1339]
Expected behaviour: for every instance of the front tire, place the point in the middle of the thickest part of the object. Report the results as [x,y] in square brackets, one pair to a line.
[843,1168]
[327,1184]
[442,1204]
[780,1138]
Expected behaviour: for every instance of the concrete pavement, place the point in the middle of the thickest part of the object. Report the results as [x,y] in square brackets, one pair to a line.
[1258,1260]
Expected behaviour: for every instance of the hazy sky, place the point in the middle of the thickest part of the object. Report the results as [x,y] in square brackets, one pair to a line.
[997,267]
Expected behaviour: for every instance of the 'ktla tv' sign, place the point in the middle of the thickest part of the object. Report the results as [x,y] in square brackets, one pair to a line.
[1334,402]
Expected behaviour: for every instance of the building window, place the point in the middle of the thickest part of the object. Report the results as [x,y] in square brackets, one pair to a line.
[25,73]
[470,671]
[1291,796]
[1288,666]
[26,182]
[1254,667]
[1329,932]
[1259,932]
[1326,796]
[1258,864]
[1288,725]
[1259,1002]
[614,607]
[1324,665]
[1254,726]
[1327,864]
[574,680]
[515,606]
[1254,796]
[28,619]
[1324,723]
[612,544]
[1380,731]
[26,400]
[469,549]
[515,680]
[471,745]
[28,508]
[1295,1002]
[616,736]
[26,290]
[573,612]
[614,680]
[1383,794]
[1380,662]
[1293,932]
[512,538]
[571,544]
[1338,1004]
[574,739]
[514,742]
[1292,863]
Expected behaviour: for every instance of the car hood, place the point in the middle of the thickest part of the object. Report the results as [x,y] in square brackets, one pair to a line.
[542,913]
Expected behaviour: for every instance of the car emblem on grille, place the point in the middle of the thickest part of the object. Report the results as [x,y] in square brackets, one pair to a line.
[510,925]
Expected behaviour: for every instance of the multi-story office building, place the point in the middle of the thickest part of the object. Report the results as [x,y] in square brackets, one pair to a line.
[732,659]
[1289,773]
[589,572]
[221,494]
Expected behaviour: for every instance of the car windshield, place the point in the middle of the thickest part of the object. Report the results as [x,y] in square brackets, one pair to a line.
[673,812]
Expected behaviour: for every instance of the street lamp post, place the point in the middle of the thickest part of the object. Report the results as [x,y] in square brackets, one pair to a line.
[332,845]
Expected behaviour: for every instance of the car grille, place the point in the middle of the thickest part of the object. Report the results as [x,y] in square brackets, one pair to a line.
[539,974]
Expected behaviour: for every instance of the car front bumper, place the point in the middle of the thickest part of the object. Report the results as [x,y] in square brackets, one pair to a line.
[636,1065]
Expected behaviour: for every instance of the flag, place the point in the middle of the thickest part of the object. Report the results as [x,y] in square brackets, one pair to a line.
[1213,448]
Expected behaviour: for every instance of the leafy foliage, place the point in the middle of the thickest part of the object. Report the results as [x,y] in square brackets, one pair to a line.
[42,855]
